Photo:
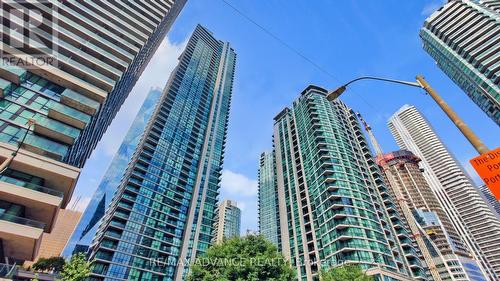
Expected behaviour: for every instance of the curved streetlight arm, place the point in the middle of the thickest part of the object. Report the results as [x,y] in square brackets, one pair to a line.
[336,93]
[421,83]
[414,84]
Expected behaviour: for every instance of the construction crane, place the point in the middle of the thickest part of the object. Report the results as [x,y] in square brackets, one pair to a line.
[407,213]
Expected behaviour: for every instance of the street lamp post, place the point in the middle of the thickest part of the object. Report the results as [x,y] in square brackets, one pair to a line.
[421,83]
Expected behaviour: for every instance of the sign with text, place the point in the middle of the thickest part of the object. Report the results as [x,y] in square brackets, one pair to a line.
[487,166]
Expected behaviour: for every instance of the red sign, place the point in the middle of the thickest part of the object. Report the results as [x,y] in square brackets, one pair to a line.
[487,166]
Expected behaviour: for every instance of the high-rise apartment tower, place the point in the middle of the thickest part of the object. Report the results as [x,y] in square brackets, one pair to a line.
[66,67]
[473,219]
[227,221]
[449,255]
[462,37]
[87,227]
[441,248]
[269,223]
[332,202]
[490,198]
[163,212]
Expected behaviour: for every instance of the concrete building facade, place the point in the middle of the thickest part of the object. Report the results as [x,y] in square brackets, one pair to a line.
[462,37]
[473,219]
[227,221]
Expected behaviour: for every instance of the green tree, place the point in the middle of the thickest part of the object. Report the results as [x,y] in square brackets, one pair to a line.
[345,273]
[76,269]
[52,264]
[251,258]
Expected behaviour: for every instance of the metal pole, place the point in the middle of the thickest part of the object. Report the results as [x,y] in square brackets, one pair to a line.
[466,131]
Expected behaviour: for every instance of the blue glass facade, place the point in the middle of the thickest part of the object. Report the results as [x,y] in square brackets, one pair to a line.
[87,227]
[95,69]
[232,223]
[38,99]
[269,222]
[163,213]
[227,221]
[89,55]
[83,147]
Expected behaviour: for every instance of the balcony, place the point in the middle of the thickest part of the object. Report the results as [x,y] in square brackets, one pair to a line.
[330,179]
[342,226]
[41,203]
[338,216]
[20,237]
[337,206]
[42,186]
[59,178]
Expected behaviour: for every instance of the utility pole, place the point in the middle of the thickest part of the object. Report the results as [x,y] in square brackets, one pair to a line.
[466,131]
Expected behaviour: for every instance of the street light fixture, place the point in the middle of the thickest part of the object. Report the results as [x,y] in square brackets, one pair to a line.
[421,83]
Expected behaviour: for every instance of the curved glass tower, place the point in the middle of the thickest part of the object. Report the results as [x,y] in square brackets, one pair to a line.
[87,227]
[452,259]
[471,216]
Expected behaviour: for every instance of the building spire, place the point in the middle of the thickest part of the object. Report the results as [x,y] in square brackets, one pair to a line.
[376,145]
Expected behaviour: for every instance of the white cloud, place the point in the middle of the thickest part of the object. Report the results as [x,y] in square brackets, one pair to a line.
[78,203]
[242,205]
[238,184]
[432,6]
[155,75]
[243,190]
[249,214]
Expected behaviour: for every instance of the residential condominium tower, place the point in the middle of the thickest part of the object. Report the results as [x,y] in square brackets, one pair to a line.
[441,248]
[473,219]
[462,37]
[448,253]
[87,227]
[66,67]
[227,221]
[163,212]
[331,194]
[269,223]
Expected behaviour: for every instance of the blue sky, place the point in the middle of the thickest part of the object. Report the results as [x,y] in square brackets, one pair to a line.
[346,38]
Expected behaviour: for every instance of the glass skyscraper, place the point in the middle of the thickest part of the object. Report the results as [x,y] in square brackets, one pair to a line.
[332,202]
[462,37]
[66,67]
[227,221]
[269,223]
[163,212]
[99,50]
[87,227]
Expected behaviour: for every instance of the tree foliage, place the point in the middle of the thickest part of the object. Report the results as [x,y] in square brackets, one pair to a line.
[251,258]
[52,264]
[345,273]
[77,269]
